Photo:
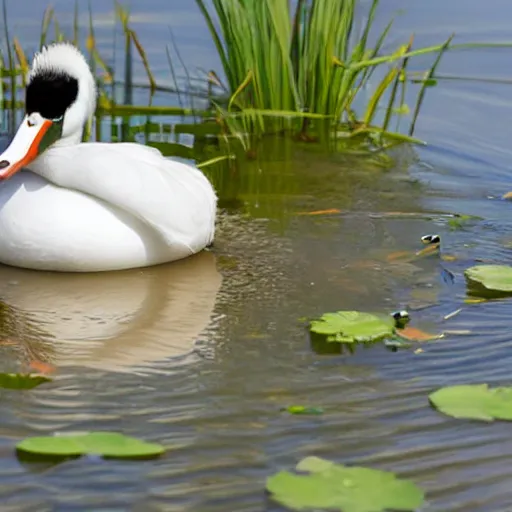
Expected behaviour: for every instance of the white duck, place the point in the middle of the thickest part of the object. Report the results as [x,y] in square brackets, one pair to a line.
[86,207]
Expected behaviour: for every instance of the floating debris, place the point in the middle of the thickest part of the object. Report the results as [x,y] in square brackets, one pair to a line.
[431,239]
[414,334]
[301,409]
[330,211]
[452,314]
[400,315]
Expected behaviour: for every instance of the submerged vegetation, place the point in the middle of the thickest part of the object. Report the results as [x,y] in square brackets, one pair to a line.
[317,70]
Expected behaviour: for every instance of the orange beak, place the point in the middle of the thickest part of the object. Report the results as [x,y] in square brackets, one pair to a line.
[28,143]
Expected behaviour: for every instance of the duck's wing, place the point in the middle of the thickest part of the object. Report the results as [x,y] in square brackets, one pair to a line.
[174,198]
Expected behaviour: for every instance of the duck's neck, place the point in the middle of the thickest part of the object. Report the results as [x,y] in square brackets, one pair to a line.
[49,163]
[70,140]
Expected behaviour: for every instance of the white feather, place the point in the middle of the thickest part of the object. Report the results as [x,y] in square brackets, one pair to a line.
[99,206]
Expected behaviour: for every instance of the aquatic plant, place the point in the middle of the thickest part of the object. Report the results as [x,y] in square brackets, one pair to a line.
[106,444]
[321,484]
[353,327]
[287,66]
[14,64]
[492,278]
[21,381]
[474,401]
[304,70]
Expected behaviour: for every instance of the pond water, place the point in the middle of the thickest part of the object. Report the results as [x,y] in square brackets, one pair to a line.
[200,355]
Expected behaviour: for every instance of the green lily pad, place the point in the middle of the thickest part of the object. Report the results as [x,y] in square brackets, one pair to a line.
[460,221]
[353,327]
[21,381]
[492,277]
[476,402]
[107,444]
[336,487]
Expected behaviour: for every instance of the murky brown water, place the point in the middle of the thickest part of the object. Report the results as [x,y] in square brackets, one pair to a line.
[200,355]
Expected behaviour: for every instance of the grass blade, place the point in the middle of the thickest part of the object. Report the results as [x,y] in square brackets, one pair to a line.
[145,62]
[429,75]
[76,27]
[22,59]
[45,25]
[401,72]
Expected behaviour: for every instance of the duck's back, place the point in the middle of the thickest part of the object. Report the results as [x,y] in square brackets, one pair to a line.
[173,198]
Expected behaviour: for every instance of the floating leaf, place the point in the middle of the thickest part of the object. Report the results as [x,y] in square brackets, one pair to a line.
[414,334]
[508,195]
[107,444]
[492,277]
[353,326]
[474,300]
[459,221]
[336,487]
[476,401]
[21,380]
[301,409]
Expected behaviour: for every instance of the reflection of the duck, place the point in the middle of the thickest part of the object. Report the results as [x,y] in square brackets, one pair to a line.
[113,321]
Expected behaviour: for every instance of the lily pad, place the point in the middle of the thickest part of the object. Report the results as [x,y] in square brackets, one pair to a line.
[106,444]
[21,381]
[474,401]
[496,278]
[336,487]
[460,221]
[353,327]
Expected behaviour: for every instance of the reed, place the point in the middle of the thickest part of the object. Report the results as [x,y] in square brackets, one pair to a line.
[298,63]
[302,70]
[15,65]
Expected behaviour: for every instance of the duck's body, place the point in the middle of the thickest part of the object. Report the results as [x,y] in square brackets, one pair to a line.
[148,210]
[97,206]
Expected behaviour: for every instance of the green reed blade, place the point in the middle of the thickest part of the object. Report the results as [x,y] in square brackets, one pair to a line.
[45,25]
[76,27]
[429,75]
[401,72]
[184,66]
[173,75]
[11,67]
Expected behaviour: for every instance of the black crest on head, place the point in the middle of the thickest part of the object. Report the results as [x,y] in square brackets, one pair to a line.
[50,93]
